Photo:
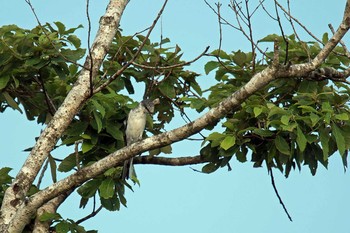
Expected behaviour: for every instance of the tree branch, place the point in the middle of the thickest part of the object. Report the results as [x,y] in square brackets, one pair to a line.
[80,92]
[180,161]
[49,207]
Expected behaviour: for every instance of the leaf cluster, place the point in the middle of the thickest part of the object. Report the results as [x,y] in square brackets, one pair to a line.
[290,122]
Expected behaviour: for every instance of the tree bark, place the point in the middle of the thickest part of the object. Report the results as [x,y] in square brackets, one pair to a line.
[15,194]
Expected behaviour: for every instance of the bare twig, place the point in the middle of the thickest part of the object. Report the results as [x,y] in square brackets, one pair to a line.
[42,173]
[92,214]
[172,66]
[89,46]
[121,70]
[298,22]
[250,35]
[282,32]
[50,105]
[278,196]
[347,53]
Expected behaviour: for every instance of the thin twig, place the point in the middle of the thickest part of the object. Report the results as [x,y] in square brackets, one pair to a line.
[121,70]
[42,173]
[89,46]
[278,196]
[172,66]
[282,32]
[298,22]
[92,214]
[347,53]
[250,35]
[50,105]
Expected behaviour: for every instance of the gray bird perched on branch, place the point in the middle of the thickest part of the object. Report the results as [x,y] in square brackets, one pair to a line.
[136,124]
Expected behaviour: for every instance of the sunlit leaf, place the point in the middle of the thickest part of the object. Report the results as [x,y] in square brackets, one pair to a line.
[228,142]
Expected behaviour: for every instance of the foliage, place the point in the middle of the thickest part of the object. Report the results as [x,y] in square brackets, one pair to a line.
[289,123]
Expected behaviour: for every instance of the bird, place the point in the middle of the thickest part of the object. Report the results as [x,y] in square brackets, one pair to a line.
[135,127]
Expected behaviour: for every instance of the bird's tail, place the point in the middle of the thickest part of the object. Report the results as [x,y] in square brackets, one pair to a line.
[129,171]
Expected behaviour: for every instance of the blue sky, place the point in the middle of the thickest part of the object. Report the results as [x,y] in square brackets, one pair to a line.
[177,199]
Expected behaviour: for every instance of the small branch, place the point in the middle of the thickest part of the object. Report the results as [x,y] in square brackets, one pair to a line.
[282,32]
[278,196]
[92,214]
[42,173]
[172,66]
[275,62]
[250,35]
[180,161]
[50,105]
[298,22]
[347,53]
[89,46]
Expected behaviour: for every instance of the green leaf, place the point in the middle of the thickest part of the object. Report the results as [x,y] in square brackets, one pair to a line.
[228,142]
[167,89]
[107,188]
[87,146]
[325,38]
[209,168]
[62,227]
[98,107]
[74,40]
[89,189]
[68,163]
[196,87]
[166,149]
[215,136]
[221,54]
[210,66]
[5,178]
[314,119]
[257,111]
[343,116]
[53,168]
[11,101]
[324,138]
[98,121]
[339,138]
[285,119]
[282,145]
[3,81]
[49,217]
[263,132]
[301,140]
[111,204]
[239,58]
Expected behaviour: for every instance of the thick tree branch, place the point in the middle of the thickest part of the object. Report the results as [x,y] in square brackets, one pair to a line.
[49,207]
[80,92]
